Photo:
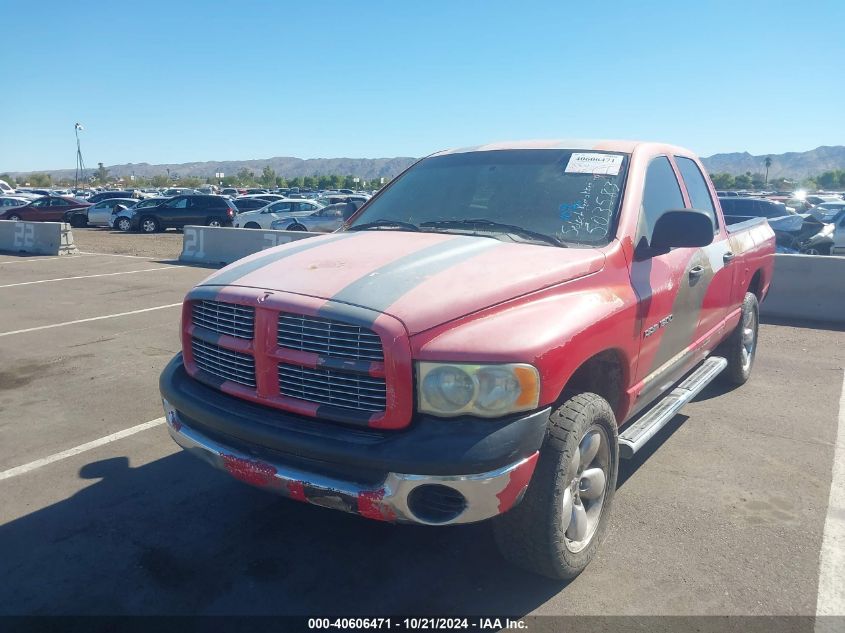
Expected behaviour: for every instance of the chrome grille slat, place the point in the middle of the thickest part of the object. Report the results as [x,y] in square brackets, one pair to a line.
[328,337]
[223,363]
[318,384]
[376,398]
[224,318]
[331,387]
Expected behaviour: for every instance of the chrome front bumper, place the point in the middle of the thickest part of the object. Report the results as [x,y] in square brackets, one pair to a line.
[485,494]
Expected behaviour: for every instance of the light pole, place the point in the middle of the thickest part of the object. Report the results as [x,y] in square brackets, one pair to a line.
[80,164]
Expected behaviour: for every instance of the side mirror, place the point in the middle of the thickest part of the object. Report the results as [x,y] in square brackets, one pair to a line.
[681,228]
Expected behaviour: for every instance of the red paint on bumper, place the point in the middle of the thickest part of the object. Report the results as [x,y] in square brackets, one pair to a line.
[296,490]
[519,479]
[370,506]
[249,471]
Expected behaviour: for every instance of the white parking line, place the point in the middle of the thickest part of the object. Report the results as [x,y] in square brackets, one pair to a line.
[114,255]
[47,281]
[831,596]
[76,450]
[99,318]
[27,260]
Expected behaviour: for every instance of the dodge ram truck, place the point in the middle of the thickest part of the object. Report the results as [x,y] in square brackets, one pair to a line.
[484,339]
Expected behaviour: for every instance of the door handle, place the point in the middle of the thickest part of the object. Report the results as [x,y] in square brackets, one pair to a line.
[728,257]
[696,271]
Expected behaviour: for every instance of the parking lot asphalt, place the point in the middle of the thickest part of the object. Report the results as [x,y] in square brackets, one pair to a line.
[722,513]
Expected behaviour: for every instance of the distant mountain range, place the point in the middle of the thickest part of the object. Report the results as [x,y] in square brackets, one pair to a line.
[788,165]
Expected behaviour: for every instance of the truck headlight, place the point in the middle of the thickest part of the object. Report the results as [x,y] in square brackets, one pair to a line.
[452,389]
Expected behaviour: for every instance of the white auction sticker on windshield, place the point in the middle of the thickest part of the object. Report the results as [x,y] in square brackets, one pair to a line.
[588,163]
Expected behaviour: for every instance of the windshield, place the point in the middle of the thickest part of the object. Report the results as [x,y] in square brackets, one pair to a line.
[571,196]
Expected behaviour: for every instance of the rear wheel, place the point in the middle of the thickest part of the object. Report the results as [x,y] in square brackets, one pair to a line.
[149,225]
[15,218]
[557,528]
[213,222]
[741,347]
[816,250]
[123,224]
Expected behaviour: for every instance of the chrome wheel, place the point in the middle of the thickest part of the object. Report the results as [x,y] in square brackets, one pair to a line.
[15,218]
[124,224]
[149,225]
[214,223]
[584,497]
[749,338]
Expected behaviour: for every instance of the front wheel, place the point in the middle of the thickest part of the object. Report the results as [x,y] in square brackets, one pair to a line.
[251,225]
[149,225]
[296,227]
[557,528]
[15,218]
[741,346]
[123,224]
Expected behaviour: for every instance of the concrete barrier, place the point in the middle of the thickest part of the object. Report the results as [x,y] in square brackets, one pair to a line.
[36,238]
[807,287]
[224,245]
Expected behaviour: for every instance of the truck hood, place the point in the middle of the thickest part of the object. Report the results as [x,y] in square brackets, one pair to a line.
[423,279]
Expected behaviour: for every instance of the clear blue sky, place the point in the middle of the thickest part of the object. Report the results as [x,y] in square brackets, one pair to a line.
[182,81]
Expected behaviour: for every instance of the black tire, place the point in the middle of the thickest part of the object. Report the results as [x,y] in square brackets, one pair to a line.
[15,218]
[149,224]
[740,364]
[214,222]
[251,225]
[817,250]
[296,227]
[123,224]
[533,535]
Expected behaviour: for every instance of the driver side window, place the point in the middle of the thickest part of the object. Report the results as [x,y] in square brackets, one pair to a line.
[661,193]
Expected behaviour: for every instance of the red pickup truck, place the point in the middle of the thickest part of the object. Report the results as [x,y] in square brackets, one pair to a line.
[484,339]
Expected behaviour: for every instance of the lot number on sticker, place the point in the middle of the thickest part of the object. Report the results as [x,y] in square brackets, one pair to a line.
[24,235]
[589,163]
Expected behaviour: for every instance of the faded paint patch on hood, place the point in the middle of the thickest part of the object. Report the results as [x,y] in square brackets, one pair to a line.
[423,279]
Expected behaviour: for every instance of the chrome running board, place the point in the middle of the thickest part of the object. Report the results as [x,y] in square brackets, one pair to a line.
[641,430]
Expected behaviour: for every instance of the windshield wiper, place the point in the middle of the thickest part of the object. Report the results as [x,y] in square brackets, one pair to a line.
[483,223]
[384,224]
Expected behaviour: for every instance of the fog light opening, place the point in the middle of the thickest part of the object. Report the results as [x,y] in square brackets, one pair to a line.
[435,503]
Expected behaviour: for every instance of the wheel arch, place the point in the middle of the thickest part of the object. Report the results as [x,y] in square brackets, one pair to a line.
[756,284]
[605,374]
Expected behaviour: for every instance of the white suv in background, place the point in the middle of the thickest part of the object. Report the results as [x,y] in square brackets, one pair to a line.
[262,218]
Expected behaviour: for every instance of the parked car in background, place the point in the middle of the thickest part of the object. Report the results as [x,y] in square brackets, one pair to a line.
[122,220]
[325,220]
[267,197]
[183,210]
[179,191]
[263,217]
[285,211]
[838,246]
[13,201]
[826,211]
[102,212]
[44,209]
[249,204]
[753,208]
[105,195]
[230,191]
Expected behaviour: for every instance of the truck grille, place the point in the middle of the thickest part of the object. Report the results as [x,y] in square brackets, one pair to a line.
[224,318]
[224,363]
[330,387]
[328,338]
